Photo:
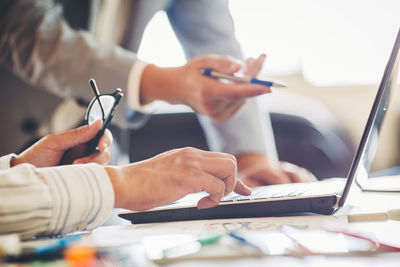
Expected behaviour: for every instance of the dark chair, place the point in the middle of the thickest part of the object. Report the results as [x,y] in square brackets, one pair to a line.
[326,150]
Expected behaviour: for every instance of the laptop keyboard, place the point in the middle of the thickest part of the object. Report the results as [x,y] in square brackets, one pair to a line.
[329,186]
[264,193]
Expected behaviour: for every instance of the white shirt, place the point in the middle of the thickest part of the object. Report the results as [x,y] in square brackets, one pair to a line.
[54,200]
[133,88]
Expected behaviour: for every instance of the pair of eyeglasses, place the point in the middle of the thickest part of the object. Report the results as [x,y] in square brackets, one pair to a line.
[102,107]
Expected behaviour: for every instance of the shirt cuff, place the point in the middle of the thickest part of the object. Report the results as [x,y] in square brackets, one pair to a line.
[82,196]
[5,161]
[133,92]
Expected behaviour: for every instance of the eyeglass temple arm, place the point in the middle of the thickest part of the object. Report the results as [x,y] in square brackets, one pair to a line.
[96,92]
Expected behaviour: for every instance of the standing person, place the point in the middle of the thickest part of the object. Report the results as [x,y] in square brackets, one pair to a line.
[204,27]
[37,45]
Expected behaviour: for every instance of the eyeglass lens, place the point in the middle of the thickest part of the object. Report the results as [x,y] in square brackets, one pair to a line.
[95,113]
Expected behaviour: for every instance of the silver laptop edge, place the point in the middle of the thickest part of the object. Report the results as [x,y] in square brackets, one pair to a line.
[367,147]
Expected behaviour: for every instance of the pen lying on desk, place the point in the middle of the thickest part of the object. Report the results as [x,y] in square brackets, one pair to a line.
[378,216]
[245,242]
[242,79]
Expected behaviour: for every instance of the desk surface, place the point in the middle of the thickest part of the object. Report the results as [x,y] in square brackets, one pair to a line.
[388,232]
[134,244]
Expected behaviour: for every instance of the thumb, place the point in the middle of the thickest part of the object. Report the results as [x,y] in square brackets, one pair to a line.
[254,66]
[77,136]
[227,65]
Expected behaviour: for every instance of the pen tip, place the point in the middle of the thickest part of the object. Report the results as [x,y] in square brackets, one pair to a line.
[280,84]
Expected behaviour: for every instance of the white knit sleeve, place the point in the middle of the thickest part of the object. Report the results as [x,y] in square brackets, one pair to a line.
[54,200]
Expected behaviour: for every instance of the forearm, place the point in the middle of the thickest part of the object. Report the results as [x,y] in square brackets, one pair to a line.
[161,84]
[56,200]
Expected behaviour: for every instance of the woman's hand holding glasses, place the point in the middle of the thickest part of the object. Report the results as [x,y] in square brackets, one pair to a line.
[50,149]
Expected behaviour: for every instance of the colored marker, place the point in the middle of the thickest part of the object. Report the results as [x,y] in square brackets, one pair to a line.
[59,244]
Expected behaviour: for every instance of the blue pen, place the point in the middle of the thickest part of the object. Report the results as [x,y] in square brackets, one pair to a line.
[245,242]
[241,78]
[59,244]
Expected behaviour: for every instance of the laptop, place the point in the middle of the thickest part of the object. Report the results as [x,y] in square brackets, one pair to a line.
[322,197]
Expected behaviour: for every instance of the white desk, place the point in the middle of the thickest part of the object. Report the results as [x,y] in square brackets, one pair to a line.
[388,232]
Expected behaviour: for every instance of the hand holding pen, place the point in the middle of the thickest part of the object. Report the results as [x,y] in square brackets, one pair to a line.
[253,67]
[187,85]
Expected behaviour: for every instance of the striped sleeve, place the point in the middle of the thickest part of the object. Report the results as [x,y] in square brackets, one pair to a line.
[55,200]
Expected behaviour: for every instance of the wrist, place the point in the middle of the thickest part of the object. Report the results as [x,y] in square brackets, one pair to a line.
[115,175]
[15,160]
[159,84]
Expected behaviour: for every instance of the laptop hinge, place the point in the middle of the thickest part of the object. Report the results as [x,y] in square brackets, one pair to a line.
[336,206]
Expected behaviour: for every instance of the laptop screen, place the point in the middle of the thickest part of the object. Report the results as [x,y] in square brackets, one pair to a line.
[369,140]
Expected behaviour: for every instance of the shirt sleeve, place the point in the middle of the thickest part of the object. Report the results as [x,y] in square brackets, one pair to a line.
[133,94]
[5,161]
[54,200]
[249,131]
[42,49]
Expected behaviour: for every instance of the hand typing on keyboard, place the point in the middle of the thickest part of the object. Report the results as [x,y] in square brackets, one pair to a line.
[174,174]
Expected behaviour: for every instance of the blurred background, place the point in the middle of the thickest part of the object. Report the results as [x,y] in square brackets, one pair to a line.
[332,51]
[332,54]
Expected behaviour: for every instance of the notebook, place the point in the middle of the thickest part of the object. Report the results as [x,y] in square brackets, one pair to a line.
[322,197]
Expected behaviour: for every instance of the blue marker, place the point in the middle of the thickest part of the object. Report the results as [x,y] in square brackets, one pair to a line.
[245,242]
[242,79]
[59,244]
